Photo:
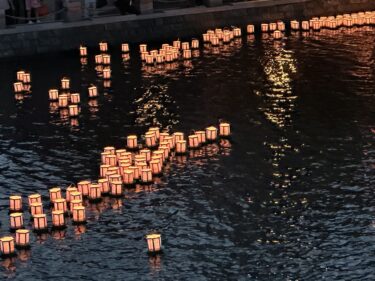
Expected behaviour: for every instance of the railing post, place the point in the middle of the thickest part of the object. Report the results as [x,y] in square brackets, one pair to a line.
[144,6]
[2,19]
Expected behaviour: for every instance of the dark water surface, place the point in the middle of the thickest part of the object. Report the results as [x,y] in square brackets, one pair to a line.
[292,198]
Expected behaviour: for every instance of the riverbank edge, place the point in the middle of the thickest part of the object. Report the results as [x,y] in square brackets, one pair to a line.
[164,26]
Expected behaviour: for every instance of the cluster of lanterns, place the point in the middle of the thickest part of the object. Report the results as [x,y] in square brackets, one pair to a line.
[22,85]
[226,35]
[119,168]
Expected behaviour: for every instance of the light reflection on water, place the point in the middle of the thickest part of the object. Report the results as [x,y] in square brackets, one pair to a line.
[288,197]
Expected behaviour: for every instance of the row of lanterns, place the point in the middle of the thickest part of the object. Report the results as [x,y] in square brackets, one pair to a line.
[119,168]
[225,35]
[23,83]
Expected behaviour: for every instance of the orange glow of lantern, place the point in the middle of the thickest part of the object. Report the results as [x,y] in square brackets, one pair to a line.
[237,32]
[156,130]
[125,48]
[26,78]
[177,44]
[53,94]
[193,141]
[93,91]
[36,209]
[250,29]
[142,48]
[159,58]
[149,59]
[75,98]
[60,205]
[153,243]
[315,25]
[106,73]
[40,222]
[7,245]
[185,46]
[104,170]
[75,195]
[294,25]
[186,54]
[73,110]
[206,37]
[132,142]
[106,59]
[120,152]
[155,167]
[272,26]
[114,178]
[180,146]
[20,75]
[110,160]
[277,34]
[15,203]
[95,192]
[136,172]
[178,136]
[79,214]
[63,100]
[195,44]
[104,186]
[58,219]
[214,41]
[16,220]
[281,26]
[34,198]
[18,87]
[65,83]
[54,193]
[305,25]
[146,153]
[83,187]
[211,133]
[116,188]
[150,139]
[146,175]
[128,177]
[162,136]
[224,129]
[69,190]
[22,238]
[82,51]
[99,59]
[103,46]
[264,27]
[75,203]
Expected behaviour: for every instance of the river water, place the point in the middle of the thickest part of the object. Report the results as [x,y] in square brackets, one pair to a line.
[289,197]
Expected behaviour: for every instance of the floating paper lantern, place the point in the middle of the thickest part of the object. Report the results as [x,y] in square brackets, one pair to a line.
[94,192]
[206,37]
[277,34]
[63,100]
[149,59]
[201,136]
[181,146]
[224,129]
[272,26]
[34,198]
[54,193]
[16,221]
[143,48]
[58,219]
[264,27]
[53,94]
[60,205]
[20,75]
[103,46]
[114,178]
[132,142]
[83,187]
[195,44]
[305,25]
[186,54]
[40,222]
[26,78]
[348,22]
[237,32]
[146,175]
[193,141]
[104,186]
[281,26]
[73,110]
[128,177]
[15,203]
[177,44]
[99,59]
[106,59]
[294,25]
[250,28]
[36,209]
[106,73]
[79,214]
[159,58]
[75,203]
[178,136]
[7,245]
[22,238]
[214,41]
[110,160]
[125,48]
[136,172]
[211,133]
[116,188]
[93,91]
[315,25]
[331,24]
[82,51]
[146,153]
[65,83]
[185,46]
[153,243]
[69,190]
[75,195]
[155,167]
[18,87]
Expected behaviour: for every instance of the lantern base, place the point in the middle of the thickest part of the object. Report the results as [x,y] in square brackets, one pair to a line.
[180,153]
[79,222]
[116,195]
[23,247]
[44,230]
[228,136]
[59,227]
[15,211]
[211,141]
[133,149]
[146,182]
[95,200]
[129,185]
[154,147]
[14,254]
[155,253]
[14,229]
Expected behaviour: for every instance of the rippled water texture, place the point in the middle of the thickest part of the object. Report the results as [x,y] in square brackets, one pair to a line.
[291,198]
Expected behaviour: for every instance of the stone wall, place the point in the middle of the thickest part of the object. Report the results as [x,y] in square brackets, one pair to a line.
[169,25]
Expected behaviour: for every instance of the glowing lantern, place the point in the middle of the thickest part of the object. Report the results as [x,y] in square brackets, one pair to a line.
[186,54]
[146,153]
[16,221]
[305,25]
[26,78]
[73,110]
[18,87]
[120,152]
[60,205]
[156,130]
[125,48]
[153,243]
[103,46]
[116,188]
[294,25]
[264,27]
[159,58]
[82,51]
[54,193]
[211,133]
[114,178]
[136,172]
[58,220]
[83,187]
[106,59]
[178,136]
[75,203]
[170,139]
[132,142]
[104,186]
[63,100]
[75,98]
[34,198]
[177,44]
[162,136]
[348,22]
[331,24]
[149,59]
[277,34]
[195,44]
[206,37]
[250,28]
[214,41]
[110,160]
[155,167]
[69,190]
[106,73]
[146,175]
[15,203]
[79,214]
[7,245]
[36,209]
[99,59]
[128,177]
[75,195]
[40,222]
[193,141]
[93,91]
[143,48]
[53,94]
[22,238]
[224,129]
[237,32]
[168,56]
[20,75]
[281,26]
[95,192]
[315,25]
[180,146]
[65,83]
